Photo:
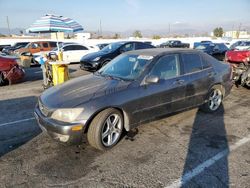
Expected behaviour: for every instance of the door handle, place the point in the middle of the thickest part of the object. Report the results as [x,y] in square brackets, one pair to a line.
[179,82]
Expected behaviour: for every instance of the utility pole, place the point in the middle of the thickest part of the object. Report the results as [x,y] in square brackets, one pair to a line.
[8,24]
[169,29]
[238,32]
[101,27]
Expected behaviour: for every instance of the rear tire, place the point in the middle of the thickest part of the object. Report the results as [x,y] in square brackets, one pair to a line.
[214,99]
[106,129]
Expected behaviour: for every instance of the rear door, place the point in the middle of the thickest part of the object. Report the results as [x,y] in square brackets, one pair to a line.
[79,52]
[166,96]
[201,76]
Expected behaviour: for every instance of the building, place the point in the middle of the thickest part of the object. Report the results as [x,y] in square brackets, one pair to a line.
[236,34]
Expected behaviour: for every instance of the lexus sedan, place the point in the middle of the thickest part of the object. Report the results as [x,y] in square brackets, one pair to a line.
[94,61]
[135,87]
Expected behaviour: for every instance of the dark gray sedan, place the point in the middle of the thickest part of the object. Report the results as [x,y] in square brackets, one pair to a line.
[135,87]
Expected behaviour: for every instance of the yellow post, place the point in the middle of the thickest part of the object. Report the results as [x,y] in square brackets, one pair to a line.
[60,56]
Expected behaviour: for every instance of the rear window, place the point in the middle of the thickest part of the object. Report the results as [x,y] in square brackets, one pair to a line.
[45,45]
[78,47]
[143,46]
[53,44]
[192,62]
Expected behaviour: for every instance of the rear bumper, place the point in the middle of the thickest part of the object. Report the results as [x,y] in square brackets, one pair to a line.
[58,130]
[228,86]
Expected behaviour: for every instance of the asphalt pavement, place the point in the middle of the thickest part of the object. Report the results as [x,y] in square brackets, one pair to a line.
[188,149]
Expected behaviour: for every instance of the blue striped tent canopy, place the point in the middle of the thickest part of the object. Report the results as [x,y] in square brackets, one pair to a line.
[52,23]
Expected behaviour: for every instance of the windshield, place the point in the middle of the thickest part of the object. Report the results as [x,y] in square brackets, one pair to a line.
[204,47]
[126,67]
[112,47]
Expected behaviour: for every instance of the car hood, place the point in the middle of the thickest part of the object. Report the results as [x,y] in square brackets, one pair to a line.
[80,90]
[21,50]
[92,56]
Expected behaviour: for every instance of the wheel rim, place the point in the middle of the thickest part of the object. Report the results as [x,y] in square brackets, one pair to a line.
[111,130]
[215,99]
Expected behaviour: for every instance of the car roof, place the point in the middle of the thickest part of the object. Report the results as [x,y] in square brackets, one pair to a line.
[75,44]
[159,51]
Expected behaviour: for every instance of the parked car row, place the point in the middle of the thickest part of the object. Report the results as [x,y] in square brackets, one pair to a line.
[174,44]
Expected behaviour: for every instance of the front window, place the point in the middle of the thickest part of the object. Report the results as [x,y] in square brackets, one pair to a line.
[126,67]
[167,67]
[112,47]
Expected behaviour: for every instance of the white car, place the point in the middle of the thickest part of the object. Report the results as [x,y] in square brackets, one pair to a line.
[241,45]
[74,52]
[71,52]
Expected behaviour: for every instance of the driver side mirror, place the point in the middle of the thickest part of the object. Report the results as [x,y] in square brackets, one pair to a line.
[152,79]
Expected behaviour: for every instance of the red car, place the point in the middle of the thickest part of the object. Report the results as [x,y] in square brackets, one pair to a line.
[10,72]
[237,56]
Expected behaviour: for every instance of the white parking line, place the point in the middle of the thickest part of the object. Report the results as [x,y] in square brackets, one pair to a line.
[18,121]
[200,168]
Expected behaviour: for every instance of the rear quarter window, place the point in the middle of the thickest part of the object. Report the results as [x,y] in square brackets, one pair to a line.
[208,60]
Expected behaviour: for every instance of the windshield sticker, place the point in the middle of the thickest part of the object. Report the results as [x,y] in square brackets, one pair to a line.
[132,59]
[145,57]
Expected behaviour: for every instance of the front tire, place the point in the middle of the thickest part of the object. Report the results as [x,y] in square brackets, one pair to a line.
[104,63]
[214,100]
[106,129]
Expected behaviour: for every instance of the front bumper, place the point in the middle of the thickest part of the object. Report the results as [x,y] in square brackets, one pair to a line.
[91,66]
[59,131]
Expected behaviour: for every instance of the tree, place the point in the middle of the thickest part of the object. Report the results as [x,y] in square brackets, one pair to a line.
[218,32]
[21,32]
[2,35]
[137,34]
[156,37]
[116,36]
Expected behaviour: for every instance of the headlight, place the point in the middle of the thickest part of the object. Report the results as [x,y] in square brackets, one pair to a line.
[67,115]
[97,59]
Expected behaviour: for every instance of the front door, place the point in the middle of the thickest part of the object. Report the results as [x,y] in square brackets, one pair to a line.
[166,96]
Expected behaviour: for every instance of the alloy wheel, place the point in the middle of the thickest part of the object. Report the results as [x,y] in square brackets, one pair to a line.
[111,130]
[215,99]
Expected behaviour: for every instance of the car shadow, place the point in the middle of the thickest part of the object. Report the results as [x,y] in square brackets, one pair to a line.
[208,138]
[17,126]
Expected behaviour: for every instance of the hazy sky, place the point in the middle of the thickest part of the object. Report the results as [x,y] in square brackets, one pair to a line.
[122,15]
